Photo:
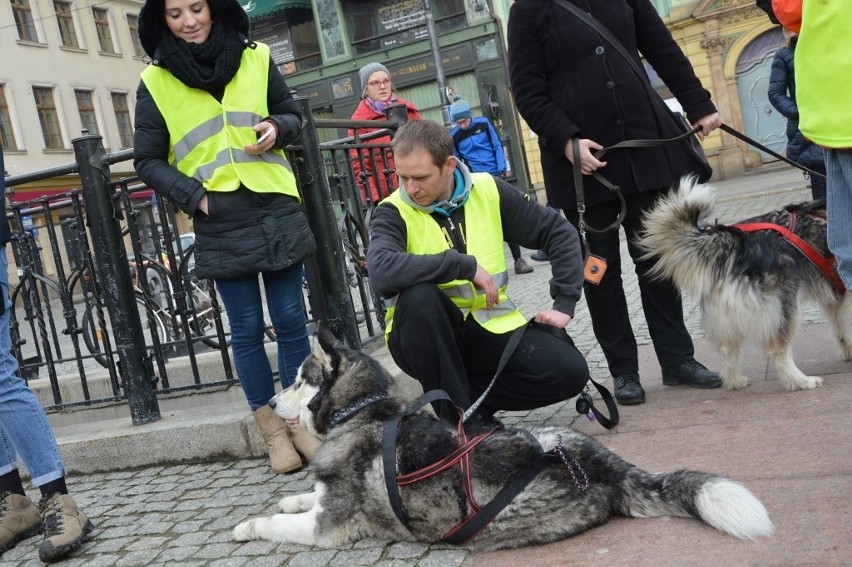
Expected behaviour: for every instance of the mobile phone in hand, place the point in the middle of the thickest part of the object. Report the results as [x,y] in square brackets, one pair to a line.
[265,135]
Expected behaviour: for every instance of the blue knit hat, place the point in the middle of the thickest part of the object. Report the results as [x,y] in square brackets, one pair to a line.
[369,69]
[459,109]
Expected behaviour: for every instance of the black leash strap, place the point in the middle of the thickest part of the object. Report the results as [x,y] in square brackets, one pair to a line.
[468,529]
[585,404]
[389,436]
[737,134]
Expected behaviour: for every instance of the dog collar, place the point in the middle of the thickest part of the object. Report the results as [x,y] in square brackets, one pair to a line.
[347,412]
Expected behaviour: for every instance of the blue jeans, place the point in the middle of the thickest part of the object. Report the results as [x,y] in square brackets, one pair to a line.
[241,297]
[24,428]
[838,168]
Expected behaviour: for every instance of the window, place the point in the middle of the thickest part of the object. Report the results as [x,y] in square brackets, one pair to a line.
[7,137]
[380,24]
[122,118]
[48,117]
[104,34]
[24,20]
[66,24]
[133,24]
[86,108]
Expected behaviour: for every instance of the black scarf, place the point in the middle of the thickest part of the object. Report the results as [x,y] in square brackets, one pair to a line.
[208,66]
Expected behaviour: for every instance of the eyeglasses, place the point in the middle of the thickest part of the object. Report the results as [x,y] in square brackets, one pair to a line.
[382,83]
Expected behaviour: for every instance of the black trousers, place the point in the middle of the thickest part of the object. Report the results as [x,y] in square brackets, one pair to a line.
[661,301]
[432,342]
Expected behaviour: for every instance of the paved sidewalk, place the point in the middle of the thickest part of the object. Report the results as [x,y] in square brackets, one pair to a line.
[790,448]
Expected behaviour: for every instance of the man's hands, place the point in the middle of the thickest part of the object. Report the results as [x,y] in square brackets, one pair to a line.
[553,317]
[483,280]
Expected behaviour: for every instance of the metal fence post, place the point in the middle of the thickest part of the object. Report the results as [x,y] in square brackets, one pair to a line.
[327,283]
[111,263]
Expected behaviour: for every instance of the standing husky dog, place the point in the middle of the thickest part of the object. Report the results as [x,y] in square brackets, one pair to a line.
[748,283]
[343,395]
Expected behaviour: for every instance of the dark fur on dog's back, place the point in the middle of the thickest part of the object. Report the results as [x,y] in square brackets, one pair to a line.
[351,500]
[749,284]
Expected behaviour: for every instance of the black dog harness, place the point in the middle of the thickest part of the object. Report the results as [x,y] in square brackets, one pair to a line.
[480,516]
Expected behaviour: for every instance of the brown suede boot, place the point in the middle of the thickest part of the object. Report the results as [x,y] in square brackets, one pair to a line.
[19,519]
[65,527]
[282,455]
[306,442]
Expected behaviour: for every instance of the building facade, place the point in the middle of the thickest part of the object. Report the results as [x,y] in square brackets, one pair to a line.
[69,65]
[321,44]
[66,66]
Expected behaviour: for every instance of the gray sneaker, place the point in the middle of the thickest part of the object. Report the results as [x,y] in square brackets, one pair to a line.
[19,519]
[65,527]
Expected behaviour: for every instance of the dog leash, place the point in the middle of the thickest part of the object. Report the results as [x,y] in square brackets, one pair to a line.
[737,134]
[584,405]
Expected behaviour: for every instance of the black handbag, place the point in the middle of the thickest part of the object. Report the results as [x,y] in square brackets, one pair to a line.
[673,124]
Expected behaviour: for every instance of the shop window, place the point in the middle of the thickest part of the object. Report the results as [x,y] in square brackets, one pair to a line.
[292,38]
[375,25]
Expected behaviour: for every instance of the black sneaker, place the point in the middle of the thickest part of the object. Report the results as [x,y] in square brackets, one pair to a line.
[628,390]
[691,373]
[540,256]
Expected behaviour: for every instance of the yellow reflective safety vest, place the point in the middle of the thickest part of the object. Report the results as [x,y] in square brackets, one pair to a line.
[207,137]
[483,234]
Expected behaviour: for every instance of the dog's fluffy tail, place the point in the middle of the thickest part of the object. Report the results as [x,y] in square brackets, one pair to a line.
[724,504]
[684,253]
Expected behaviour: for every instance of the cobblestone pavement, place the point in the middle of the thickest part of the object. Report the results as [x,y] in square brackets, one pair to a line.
[183,514]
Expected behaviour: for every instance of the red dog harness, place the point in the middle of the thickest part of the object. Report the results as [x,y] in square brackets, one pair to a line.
[826,265]
[479,516]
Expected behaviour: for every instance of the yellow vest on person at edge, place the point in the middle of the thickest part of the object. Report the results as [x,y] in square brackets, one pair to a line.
[207,137]
[483,236]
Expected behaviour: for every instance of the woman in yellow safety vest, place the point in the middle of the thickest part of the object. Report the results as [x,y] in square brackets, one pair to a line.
[213,115]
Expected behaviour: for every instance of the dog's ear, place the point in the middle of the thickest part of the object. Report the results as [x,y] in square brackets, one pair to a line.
[326,347]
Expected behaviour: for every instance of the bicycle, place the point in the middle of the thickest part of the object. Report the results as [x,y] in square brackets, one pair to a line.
[174,308]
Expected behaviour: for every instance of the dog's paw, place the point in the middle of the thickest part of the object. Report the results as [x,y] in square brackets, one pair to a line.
[245,531]
[809,383]
[737,382]
[296,504]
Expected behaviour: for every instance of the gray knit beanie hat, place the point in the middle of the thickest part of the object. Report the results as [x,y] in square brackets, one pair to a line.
[369,69]
[459,109]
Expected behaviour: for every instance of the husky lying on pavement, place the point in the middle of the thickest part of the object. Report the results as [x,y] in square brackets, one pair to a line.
[343,395]
[749,283]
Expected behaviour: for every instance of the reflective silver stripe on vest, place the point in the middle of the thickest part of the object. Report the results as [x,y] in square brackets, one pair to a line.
[225,157]
[210,128]
[466,291]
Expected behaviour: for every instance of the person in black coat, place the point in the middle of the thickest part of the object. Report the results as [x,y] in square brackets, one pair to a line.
[213,114]
[567,83]
[782,95]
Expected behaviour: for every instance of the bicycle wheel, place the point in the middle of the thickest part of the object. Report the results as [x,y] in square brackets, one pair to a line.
[95,335]
[204,311]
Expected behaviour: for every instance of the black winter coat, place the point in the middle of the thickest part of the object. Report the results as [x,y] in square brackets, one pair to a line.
[782,95]
[568,82]
[245,232]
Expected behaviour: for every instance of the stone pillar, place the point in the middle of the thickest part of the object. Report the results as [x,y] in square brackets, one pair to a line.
[731,162]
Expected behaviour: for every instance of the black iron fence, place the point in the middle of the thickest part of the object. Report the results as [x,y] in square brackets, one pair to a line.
[106,305]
